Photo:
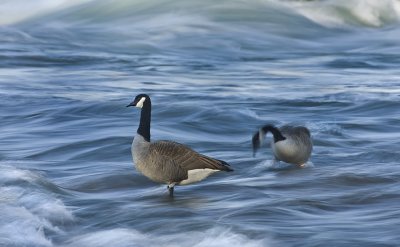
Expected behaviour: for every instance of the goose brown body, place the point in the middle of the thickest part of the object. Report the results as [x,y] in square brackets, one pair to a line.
[171,162]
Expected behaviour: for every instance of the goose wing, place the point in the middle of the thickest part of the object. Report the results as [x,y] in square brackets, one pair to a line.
[295,131]
[186,158]
[301,136]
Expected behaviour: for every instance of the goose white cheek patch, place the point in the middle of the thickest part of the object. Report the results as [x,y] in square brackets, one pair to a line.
[140,103]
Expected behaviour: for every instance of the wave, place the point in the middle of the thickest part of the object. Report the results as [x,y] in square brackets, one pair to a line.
[333,13]
[197,15]
[33,216]
[30,212]
[20,10]
[121,237]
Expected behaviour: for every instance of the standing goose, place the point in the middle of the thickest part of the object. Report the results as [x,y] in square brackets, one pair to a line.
[290,144]
[166,161]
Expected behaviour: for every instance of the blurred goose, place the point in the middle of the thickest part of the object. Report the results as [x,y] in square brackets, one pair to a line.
[291,144]
[166,161]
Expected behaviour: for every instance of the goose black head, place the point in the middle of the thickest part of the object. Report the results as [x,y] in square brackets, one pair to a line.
[140,100]
[256,143]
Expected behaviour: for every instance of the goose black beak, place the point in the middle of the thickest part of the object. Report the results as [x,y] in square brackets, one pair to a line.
[131,104]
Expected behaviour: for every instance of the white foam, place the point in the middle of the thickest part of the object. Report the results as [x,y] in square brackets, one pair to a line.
[18,10]
[333,13]
[308,164]
[28,211]
[9,174]
[19,227]
[121,237]
[46,206]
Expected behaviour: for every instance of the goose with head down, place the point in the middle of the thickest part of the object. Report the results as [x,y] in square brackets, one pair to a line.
[290,144]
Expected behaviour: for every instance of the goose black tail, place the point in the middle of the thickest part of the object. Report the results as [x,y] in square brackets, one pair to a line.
[225,166]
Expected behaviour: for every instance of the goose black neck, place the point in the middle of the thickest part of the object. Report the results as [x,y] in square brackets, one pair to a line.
[145,118]
[275,132]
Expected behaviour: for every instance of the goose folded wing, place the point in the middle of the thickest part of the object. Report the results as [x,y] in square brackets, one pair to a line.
[185,157]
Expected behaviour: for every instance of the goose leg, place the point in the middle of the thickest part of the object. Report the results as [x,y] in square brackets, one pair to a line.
[171,189]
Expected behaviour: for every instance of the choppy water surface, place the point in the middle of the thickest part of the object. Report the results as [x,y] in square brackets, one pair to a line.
[216,71]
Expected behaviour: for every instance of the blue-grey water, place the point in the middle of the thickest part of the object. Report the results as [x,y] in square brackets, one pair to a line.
[216,71]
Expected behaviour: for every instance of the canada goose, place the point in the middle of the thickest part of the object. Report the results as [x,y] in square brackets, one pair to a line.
[166,161]
[291,144]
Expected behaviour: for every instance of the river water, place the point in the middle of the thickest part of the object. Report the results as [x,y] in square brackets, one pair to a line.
[216,71]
